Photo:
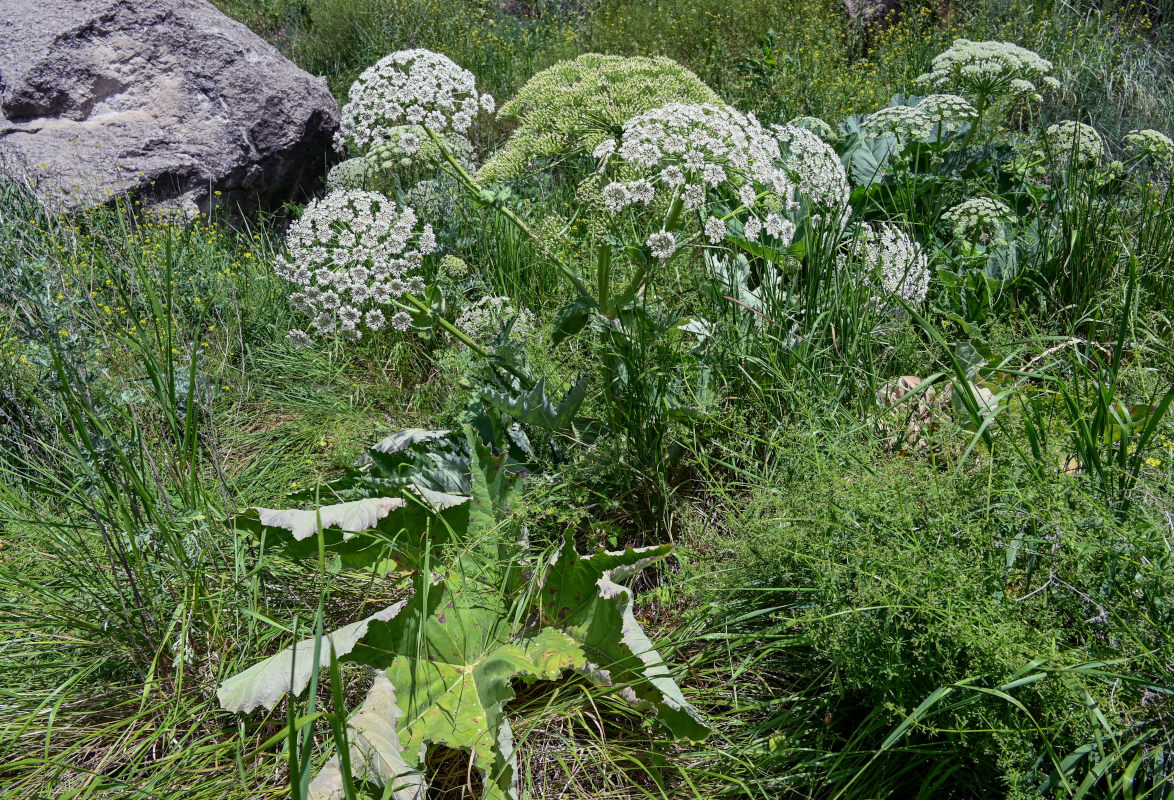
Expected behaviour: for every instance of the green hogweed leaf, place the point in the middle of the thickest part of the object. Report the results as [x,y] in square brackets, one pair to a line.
[536,408]
[451,656]
[447,656]
[582,597]
[432,459]
[572,317]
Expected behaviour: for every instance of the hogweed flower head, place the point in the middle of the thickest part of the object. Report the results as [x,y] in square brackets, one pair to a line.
[411,87]
[663,244]
[988,69]
[947,109]
[814,167]
[980,220]
[900,122]
[894,263]
[354,173]
[687,150]
[699,153]
[715,230]
[935,114]
[406,147]
[349,253]
[454,268]
[1152,144]
[1071,142]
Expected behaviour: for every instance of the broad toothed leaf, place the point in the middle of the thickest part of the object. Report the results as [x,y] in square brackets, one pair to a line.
[572,318]
[451,656]
[447,656]
[264,684]
[432,459]
[581,595]
[536,408]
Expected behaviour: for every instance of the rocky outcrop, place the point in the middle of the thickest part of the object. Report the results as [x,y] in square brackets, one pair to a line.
[166,101]
[872,12]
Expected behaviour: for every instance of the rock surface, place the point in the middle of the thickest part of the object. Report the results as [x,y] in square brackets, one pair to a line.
[871,12]
[166,101]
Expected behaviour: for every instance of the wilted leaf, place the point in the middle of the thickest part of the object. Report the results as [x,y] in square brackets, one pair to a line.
[347,518]
[361,532]
[376,755]
[264,684]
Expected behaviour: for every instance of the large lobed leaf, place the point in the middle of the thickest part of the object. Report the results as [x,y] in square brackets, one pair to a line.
[536,408]
[362,532]
[446,657]
[582,597]
[452,660]
[432,459]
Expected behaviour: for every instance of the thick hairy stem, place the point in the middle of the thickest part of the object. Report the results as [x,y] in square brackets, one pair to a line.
[415,303]
[603,278]
[470,184]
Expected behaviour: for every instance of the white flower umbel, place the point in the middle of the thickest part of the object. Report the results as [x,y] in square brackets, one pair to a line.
[928,120]
[947,110]
[980,220]
[814,167]
[411,87]
[663,244]
[901,122]
[696,154]
[989,69]
[894,263]
[1074,142]
[1152,144]
[714,145]
[715,230]
[349,253]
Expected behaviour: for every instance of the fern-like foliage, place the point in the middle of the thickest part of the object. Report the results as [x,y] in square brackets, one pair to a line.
[484,611]
[575,104]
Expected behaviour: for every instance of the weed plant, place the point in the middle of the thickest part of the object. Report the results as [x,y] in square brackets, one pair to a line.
[921,541]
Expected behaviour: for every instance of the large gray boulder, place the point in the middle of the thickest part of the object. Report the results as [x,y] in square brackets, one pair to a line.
[166,101]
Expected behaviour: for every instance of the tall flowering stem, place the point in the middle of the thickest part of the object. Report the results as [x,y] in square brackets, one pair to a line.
[474,188]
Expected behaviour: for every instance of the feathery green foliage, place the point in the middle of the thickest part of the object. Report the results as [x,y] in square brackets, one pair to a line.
[571,107]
